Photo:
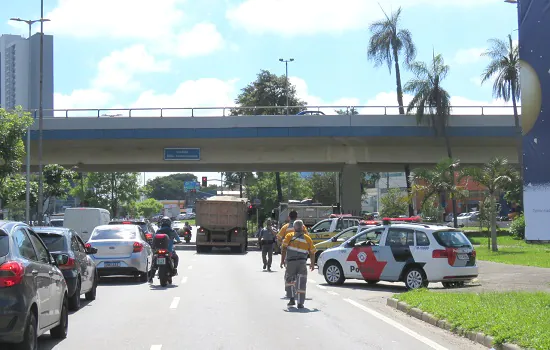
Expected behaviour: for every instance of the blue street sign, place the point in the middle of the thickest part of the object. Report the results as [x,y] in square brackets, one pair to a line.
[191,185]
[182,154]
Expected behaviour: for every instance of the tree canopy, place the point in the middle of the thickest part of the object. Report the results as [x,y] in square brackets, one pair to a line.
[169,187]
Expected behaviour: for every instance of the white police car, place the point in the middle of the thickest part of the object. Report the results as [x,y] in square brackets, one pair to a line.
[416,254]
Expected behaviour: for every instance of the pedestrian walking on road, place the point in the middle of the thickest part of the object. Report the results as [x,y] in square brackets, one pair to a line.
[286,229]
[267,237]
[295,249]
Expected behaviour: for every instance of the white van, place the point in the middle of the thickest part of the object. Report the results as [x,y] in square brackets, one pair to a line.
[84,220]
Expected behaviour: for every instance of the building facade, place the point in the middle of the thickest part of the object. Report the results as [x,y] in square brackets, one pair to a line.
[20,73]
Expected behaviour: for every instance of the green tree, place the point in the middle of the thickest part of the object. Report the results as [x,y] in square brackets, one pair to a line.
[264,189]
[513,193]
[431,102]
[232,179]
[439,182]
[14,192]
[394,203]
[430,210]
[495,176]
[13,126]
[57,183]
[268,90]
[504,68]
[388,42]
[112,190]
[349,111]
[149,207]
[323,187]
[169,187]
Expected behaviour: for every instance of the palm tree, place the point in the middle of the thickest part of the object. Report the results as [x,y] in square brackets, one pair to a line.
[438,181]
[504,66]
[430,99]
[387,43]
[495,175]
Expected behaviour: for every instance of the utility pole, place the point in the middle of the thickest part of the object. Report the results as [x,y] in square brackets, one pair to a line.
[286,93]
[41,119]
[29,22]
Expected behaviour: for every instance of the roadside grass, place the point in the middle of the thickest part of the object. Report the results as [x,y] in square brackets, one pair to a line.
[513,317]
[513,251]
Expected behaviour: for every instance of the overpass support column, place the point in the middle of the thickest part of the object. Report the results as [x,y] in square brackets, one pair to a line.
[351,190]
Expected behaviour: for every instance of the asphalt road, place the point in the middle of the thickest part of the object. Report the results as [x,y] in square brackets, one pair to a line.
[226,301]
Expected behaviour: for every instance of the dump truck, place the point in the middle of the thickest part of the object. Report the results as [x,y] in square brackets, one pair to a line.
[221,222]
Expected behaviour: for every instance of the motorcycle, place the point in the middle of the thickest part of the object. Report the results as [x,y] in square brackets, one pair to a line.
[187,235]
[162,259]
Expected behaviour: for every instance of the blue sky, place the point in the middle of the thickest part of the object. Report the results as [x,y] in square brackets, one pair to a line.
[184,53]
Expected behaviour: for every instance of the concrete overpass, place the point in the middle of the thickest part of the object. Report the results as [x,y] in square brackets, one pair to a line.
[348,143]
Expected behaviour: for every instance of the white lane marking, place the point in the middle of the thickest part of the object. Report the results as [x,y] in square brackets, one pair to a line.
[175,303]
[183,280]
[156,347]
[332,293]
[397,325]
[311,281]
[320,286]
[190,267]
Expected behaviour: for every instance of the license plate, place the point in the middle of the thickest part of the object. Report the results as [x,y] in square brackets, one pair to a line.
[463,256]
[161,261]
[111,264]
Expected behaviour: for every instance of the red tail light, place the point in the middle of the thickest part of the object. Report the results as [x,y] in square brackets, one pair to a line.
[88,245]
[474,254]
[236,232]
[11,273]
[440,253]
[126,222]
[68,266]
[201,230]
[148,236]
[161,251]
[138,247]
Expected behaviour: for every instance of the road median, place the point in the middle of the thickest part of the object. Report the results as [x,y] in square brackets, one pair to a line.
[503,320]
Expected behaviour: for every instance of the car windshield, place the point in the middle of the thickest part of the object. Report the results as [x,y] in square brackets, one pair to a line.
[345,235]
[54,241]
[4,244]
[451,239]
[56,223]
[113,233]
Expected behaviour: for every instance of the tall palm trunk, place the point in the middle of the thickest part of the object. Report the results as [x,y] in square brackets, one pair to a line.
[402,112]
[452,173]
[494,246]
[279,187]
[520,138]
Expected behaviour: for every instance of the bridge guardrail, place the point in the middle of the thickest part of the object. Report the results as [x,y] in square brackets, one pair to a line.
[254,111]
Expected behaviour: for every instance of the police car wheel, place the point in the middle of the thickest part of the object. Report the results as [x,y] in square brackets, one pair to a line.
[334,274]
[415,278]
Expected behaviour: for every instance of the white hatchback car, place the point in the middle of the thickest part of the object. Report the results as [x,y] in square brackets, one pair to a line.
[416,254]
[121,250]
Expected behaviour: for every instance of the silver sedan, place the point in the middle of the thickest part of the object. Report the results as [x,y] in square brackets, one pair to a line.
[121,250]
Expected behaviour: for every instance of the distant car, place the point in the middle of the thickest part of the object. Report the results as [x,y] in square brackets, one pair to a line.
[310,113]
[33,291]
[56,222]
[121,250]
[78,268]
[145,226]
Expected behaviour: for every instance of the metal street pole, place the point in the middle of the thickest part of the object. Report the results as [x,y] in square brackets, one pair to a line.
[28,165]
[286,93]
[41,119]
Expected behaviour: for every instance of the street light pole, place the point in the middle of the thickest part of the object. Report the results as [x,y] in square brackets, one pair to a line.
[29,22]
[41,119]
[286,93]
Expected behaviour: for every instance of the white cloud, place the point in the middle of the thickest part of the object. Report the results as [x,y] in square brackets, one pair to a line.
[117,70]
[306,17]
[476,81]
[205,92]
[467,56]
[201,40]
[134,19]
[81,99]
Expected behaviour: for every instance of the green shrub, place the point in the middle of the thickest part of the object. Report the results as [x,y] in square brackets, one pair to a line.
[517,227]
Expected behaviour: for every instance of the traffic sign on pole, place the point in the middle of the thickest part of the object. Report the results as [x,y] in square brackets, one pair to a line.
[257,201]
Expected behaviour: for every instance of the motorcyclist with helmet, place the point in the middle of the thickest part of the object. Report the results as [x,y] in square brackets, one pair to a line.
[166,228]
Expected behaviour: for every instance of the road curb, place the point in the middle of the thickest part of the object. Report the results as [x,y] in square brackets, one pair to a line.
[480,338]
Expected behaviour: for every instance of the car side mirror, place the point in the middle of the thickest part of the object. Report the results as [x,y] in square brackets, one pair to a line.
[91,250]
[334,239]
[61,259]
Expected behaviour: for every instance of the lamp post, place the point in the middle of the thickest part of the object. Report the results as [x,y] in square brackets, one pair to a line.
[41,118]
[286,93]
[29,22]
